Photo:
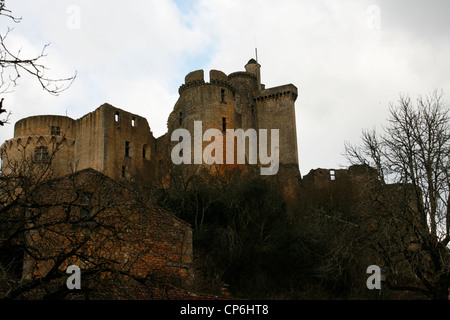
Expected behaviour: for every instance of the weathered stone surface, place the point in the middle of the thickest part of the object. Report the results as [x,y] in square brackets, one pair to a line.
[121,145]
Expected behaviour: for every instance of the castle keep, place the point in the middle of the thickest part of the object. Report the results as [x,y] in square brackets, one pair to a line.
[121,145]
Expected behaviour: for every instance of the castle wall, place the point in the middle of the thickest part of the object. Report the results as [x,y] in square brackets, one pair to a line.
[89,145]
[127,144]
[356,174]
[109,140]
[121,145]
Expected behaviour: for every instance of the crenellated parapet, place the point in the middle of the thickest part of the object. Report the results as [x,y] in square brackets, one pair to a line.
[196,79]
[193,79]
[220,79]
[287,91]
[241,74]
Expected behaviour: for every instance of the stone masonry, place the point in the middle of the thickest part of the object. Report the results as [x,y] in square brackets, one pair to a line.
[121,145]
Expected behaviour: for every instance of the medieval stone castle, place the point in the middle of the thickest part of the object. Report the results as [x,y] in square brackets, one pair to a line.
[112,147]
[121,145]
[109,145]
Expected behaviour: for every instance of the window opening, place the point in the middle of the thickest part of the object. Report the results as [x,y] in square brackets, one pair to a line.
[41,154]
[55,131]
[127,149]
[145,152]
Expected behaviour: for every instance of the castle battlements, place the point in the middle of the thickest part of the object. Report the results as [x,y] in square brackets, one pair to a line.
[196,78]
[285,91]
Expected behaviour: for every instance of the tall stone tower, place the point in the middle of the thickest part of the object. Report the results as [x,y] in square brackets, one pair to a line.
[211,103]
[238,101]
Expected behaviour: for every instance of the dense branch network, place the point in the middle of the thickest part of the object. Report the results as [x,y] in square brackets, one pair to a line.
[413,152]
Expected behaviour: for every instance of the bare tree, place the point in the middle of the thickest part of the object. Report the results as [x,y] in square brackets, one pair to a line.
[13,65]
[412,160]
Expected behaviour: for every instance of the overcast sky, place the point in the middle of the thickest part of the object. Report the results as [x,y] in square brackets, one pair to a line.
[348,59]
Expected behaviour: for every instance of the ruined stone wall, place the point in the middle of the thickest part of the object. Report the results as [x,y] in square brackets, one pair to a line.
[361,175]
[109,140]
[90,142]
[128,146]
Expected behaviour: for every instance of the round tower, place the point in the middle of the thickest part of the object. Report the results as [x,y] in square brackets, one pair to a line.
[202,106]
[41,139]
[246,83]
[254,67]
